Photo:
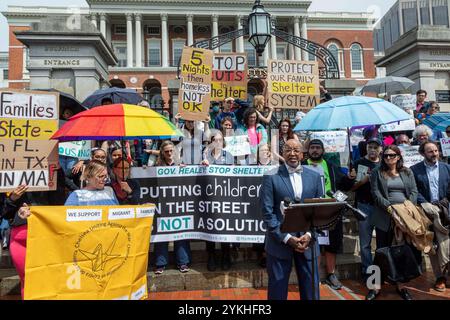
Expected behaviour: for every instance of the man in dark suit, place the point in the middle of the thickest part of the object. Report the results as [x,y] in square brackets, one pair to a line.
[432,180]
[292,181]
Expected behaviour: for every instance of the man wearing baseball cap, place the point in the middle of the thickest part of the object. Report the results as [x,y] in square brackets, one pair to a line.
[364,200]
[334,180]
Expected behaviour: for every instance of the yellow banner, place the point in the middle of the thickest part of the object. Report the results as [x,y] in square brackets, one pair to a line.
[81,253]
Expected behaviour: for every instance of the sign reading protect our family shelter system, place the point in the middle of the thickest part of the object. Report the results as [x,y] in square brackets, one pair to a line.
[293,84]
[195,87]
[27,121]
[84,253]
[229,77]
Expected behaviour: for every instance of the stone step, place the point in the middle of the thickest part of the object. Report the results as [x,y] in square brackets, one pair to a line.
[241,275]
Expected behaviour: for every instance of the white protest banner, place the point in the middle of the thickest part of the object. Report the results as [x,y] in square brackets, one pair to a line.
[405,125]
[404,101]
[76,149]
[411,155]
[293,84]
[237,145]
[445,146]
[333,141]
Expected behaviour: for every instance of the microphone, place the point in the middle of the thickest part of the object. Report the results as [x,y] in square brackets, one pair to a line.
[297,200]
[287,201]
[341,197]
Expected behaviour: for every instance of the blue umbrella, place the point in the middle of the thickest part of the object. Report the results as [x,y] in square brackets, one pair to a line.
[351,111]
[441,126]
[436,119]
[117,95]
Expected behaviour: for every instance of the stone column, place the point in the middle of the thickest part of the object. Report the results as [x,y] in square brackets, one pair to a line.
[165,41]
[240,40]
[103,24]
[298,52]
[400,18]
[273,43]
[430,8]
[305,36]
[291,46]
[215,28]
[138,19]
[94,19]
[419,19]
[190,29]
[129,40]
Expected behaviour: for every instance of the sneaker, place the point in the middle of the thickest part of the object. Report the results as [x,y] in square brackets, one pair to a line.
[333,282]
[159,270]
[183,268]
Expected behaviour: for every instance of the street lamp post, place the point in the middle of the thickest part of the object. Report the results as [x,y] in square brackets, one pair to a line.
[259,27]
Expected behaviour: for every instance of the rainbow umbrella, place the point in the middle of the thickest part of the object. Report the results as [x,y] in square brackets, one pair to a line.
[117,122]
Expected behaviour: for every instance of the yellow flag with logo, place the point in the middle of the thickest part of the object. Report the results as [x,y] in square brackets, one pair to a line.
[97,252]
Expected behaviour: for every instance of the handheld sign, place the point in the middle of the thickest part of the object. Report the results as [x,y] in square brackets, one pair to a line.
[229,77]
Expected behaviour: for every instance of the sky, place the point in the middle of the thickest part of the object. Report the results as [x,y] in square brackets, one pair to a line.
[377,7]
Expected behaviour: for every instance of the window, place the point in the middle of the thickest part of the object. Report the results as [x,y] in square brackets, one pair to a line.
[177,50]
[227,47]
[281,51]
[338,54]
[356,55]
[5,74]
[424,12]
[409,11]
[120,49]
[153,30]
[251,54]
[120,29]
[311,57]
[440,12]
[154,52]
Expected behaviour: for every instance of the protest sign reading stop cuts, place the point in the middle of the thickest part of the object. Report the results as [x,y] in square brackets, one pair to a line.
[214,203]
[293,84]
[80,253]
[195,86]
[27,120]
[229,77]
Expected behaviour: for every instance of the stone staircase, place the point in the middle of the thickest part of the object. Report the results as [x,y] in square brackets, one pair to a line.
[244,273]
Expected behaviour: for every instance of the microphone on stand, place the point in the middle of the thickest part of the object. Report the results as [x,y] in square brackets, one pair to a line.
[284,205]
[341,197]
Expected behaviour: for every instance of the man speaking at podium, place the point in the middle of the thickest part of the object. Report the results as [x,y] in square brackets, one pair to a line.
[289,181]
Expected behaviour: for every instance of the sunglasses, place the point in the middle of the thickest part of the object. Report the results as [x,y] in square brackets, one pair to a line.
[390,155]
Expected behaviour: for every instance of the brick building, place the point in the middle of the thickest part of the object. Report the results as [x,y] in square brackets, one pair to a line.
[148,37]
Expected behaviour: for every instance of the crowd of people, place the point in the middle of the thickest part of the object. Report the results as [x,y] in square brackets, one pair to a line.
[105,180]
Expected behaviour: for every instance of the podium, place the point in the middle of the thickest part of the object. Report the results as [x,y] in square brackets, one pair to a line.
[312,216]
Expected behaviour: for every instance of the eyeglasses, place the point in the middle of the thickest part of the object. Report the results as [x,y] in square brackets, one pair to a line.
[390,155]
[297,151]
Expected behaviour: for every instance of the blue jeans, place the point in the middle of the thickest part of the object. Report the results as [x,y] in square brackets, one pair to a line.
[365,236]
[182,253]
[67,163]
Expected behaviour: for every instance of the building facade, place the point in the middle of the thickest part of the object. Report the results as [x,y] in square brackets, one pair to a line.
[413,40]
[148,37]
[4,69]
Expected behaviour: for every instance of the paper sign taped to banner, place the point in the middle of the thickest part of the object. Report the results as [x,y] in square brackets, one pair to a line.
[86,253]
